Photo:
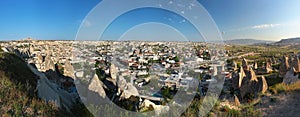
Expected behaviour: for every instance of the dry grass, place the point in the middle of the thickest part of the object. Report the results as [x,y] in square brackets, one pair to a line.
[285,87]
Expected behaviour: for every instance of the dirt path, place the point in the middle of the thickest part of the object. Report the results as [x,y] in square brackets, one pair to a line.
[281,105]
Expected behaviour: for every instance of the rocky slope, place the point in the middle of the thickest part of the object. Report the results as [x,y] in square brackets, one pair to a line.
[17,90]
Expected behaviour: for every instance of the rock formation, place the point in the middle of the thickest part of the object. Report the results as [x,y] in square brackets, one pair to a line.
[252,85]
[113,71]
[238,78]
[40,59]
[235,66]
[68,70]
[284,66]
[245,64]
[159,109]
[268,67]
[236,101]
[296,64]
[95,90]
[255,65]
[263,85]
[291,76]
[49,65]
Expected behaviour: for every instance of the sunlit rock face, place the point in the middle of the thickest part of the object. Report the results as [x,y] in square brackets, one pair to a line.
[113,72]
[248,83]
[245,64]
[49,65]
[68,70]
[96,90]
[268,67]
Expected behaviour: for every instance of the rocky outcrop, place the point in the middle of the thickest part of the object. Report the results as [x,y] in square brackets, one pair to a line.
[238,78]
[235,66]
[268,67]
[40,59]
[263,85]
[113,71]
[159,109]
[68,70]
[49,65]
[284,66]
[96,89]
[255,65]
[245,64]
[252,85]
[295,63]
[236,101]
[242,74]
[291,76]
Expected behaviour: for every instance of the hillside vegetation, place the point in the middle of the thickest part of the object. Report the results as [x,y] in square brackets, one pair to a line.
[17,90]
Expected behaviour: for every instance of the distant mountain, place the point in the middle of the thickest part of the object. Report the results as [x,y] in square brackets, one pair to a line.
[289,41]
[246,41]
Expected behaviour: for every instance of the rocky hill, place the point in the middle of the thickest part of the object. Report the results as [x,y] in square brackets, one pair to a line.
[17,90]
[246,41]
[289,41]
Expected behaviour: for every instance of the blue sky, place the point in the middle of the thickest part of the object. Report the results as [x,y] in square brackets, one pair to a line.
[236,19]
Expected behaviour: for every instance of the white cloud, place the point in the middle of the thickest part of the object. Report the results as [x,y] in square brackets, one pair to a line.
[261,26]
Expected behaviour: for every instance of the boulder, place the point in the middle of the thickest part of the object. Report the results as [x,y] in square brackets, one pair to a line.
[130,91]
[95,88]
[68,70]
[291,76]
[159,109]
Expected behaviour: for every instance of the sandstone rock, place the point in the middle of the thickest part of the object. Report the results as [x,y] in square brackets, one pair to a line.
[237,78]
[96,86]
[255,65]
[159,109]
[296,64]
[130,91]
[235,66]
[251,75]
[68,70]
[263,85]
[245,64]
[252,85]
[284,66]
[242,74]
[268,67]
[49,65]
[31,49]
[40,59]
[113,71]
[291,76]
[236,101]
[127,89]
